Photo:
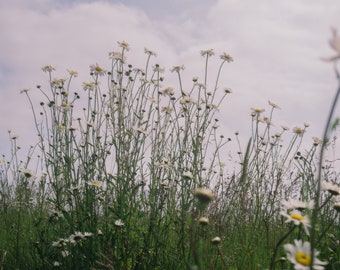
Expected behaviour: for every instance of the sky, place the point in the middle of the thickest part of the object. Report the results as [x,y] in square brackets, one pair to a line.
[276,46]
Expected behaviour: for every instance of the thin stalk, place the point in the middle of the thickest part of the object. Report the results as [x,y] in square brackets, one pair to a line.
[322,152]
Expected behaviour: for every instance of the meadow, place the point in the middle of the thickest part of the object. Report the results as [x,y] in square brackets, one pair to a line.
[128,173]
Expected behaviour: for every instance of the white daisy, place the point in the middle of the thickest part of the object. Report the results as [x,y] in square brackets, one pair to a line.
[97,70]
[334,42]
[298,218]
[301,256]
[119,223]
[331,188]
[296,204]
[204,195]
[27,173]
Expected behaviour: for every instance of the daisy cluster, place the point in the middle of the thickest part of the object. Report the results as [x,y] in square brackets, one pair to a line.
[297,212]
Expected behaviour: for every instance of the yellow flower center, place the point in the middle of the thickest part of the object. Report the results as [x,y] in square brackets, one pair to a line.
[99,69]
[303,258]
[297,217]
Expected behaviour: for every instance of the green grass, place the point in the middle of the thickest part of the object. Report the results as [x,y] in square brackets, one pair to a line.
[111,182]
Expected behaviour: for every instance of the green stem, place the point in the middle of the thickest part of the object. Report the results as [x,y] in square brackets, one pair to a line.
[322,152]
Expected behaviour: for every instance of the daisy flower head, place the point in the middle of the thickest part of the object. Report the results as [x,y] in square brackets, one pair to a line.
[187,175]
[48,68]
[274,105]
[119,223]
[207,53]
[298,205]
[299,131]
[27,173]
[124,45]
[88,86]
[226,57]
[297,218]
[336,206]
[95,183]
[334,42]
[331,188]
[149,52]
[257,110]
[76,237]
[97,70]
[72,72]
[203,221]
[216,240]
[117,56]
[316,141]
[300,255]
[204,195]
[177,68]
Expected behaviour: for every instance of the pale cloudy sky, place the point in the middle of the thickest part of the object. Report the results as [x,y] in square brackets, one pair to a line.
[276,46]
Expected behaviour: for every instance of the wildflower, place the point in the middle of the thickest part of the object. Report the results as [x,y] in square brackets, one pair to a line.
[97,70]
[87,234]
[151,53]
[141,131]
[124,45]
[157,68]
[90,124]
[299,205]
[96,183]
[167,91]
[59,83]
[24,90]
[27,173]
[331,188]
[60,243]
[298,218]
[177,68]
[65,105]
[335,45]
[165,184]
[285,128]
[317,141]
[216,240]
[99,232]
[48,68]
[298,130]
[72,72]
[187,175]
[76,237]
[204,195]
[300,255]
[65,253]
[203,221]
[226,57]
[88,86]
[227,90]
[153,100]
[274,105]
[119,223]
[257,110]
[166,109]
[207,53]
[56,214]
[116,56]
[164,163]
[56,264]
[336,206]
[185,100]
